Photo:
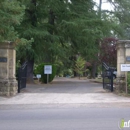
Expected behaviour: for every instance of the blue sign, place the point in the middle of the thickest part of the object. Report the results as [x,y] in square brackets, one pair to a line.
[3,59]
[128,58]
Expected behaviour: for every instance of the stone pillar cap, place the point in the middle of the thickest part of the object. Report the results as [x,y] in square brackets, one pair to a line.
[7,45]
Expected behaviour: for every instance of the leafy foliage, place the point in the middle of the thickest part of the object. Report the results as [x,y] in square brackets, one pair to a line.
[55,31]
[108,52]
[120,13]
[11,14]
[60,30]
[80,66]
[55,25]
[23,48]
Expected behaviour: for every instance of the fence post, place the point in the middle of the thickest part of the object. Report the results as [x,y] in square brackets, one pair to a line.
[19,79]
[103,76]
[111,80]
[107,72]
[22,74]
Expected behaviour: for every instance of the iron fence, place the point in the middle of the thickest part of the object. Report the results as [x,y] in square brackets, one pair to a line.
[22,75]
[107,74]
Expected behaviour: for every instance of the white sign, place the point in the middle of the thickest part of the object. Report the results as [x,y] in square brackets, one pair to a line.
[125,67]
[38,76]
[48,69]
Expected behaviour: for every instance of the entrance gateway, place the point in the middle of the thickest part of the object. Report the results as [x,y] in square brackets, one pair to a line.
[9,85]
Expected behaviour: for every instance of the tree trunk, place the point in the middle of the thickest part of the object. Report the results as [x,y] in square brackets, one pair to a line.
[100,8]
[75,74]
[30,66]
[94,69]
[51,20]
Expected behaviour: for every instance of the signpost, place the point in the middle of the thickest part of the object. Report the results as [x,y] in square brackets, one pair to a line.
[125,67]
[48,70]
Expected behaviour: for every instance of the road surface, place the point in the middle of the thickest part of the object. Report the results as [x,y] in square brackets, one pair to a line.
[62,118]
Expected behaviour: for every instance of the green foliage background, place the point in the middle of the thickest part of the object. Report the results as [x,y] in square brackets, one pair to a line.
[80,66]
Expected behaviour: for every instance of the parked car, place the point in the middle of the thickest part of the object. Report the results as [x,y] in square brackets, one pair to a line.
[115,73]
[108,74]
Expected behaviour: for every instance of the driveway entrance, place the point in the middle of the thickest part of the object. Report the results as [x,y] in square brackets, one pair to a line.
[66,91]
[65,85]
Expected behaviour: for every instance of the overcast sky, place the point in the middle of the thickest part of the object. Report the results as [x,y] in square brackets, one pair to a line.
[105,5]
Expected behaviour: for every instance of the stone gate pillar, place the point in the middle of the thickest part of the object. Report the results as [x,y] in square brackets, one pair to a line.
[8,83]
[123,57]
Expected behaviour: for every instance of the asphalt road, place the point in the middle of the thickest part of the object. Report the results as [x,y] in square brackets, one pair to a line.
[65,105]
[63,118]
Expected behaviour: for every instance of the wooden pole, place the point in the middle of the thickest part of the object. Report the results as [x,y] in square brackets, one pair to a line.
[126,81]
[47,78]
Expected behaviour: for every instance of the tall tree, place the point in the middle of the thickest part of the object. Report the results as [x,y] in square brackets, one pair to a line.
[48,23]
[60,28]
[40,24]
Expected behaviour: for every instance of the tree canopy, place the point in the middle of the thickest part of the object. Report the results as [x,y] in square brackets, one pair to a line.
[56,31]
[57,25]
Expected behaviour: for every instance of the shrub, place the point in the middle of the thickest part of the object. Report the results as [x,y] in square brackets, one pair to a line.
[80,66]
[67,72]
[40,70]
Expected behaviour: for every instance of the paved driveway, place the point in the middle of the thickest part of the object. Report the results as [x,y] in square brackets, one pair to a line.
[65,91]
[65,85]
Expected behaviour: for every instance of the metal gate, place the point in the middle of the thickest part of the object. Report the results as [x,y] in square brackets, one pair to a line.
[107,74]
[22,74]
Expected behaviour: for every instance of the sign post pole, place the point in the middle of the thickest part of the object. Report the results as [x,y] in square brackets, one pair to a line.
[126,80]
[47,71]
[47,78]
[38,76]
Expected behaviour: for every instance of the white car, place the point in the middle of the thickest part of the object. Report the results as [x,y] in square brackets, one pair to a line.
[114,74]
[107,73]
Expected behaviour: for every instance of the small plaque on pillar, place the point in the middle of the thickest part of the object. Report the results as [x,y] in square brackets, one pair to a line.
[128,58]
[3,59]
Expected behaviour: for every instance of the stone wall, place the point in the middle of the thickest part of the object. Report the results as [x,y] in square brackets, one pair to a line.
[8,83]
[123,51]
